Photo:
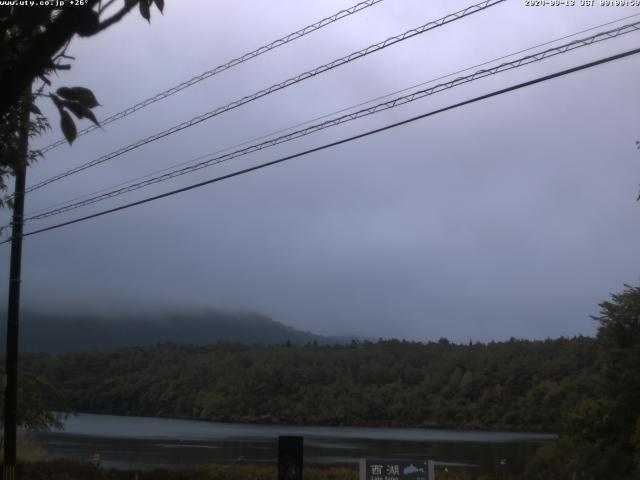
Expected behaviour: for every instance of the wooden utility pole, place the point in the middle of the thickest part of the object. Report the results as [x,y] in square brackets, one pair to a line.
[13,314]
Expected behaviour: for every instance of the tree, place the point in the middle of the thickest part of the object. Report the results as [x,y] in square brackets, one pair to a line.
[602,435]
[10,152]
[619,342]
[39,404]
[33,45]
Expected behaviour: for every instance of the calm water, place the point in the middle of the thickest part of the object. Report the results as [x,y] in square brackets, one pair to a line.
[143,443]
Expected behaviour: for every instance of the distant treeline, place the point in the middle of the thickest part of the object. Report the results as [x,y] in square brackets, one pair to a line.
[50,333]
[509,385]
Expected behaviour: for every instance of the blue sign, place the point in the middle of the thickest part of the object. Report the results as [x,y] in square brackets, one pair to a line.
[379,469]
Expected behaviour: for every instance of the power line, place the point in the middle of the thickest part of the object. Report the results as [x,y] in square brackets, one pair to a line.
[340,142]
[406,89]
[221,68]
[276,87]
[365,112]
[335,112]
[527,60]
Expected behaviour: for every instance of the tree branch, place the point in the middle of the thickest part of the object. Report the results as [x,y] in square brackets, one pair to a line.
[106,5]
[35,57]
[116,17]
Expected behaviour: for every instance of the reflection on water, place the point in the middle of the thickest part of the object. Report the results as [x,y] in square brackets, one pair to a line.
[143,443]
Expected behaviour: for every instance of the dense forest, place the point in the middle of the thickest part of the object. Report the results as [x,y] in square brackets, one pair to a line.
[586,389]
[600,437]
[509,385]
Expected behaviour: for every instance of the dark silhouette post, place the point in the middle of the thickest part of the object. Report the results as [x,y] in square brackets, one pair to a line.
[13,314]
[290,458]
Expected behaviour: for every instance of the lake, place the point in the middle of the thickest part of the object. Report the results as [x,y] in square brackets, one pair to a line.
[144,443]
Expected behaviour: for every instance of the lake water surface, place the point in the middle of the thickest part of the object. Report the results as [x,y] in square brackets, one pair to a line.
[144,443]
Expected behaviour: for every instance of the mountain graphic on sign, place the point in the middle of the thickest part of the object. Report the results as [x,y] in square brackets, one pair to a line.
[412,469]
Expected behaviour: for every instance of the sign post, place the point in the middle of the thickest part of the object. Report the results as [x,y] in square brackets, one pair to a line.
[431,469]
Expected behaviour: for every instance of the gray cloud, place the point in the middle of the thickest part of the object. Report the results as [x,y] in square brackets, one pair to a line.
[511,217]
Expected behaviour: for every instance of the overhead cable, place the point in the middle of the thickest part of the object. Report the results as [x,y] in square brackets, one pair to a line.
[326,115]
[274,88]
[396,102]
[338,142]
[221,68]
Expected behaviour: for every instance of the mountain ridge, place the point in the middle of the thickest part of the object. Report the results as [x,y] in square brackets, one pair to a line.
[57,333]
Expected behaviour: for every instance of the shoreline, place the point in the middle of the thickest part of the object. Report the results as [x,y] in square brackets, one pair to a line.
[274,422]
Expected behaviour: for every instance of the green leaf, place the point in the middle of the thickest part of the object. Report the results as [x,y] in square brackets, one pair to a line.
[160,5]
[57,102]
[91,116]
[68,127]
[81,95]
[35,110]
[80,111]
[65,92]
[144,10]
[75,108]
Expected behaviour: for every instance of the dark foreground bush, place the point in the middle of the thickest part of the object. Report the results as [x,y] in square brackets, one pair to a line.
[70,470]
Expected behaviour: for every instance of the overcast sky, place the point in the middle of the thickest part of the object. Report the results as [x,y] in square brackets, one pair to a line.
[515,216]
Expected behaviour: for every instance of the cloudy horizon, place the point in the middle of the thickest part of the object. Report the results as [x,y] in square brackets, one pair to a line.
[512,217]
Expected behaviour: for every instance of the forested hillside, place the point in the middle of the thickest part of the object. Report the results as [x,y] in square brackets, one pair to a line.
[509,385]
[52,333]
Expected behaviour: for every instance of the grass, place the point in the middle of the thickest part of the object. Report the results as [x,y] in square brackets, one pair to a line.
[34,464]
[71,470]
[28,450]
[59,469]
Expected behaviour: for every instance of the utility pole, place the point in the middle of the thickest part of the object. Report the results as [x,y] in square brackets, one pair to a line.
[13,314]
